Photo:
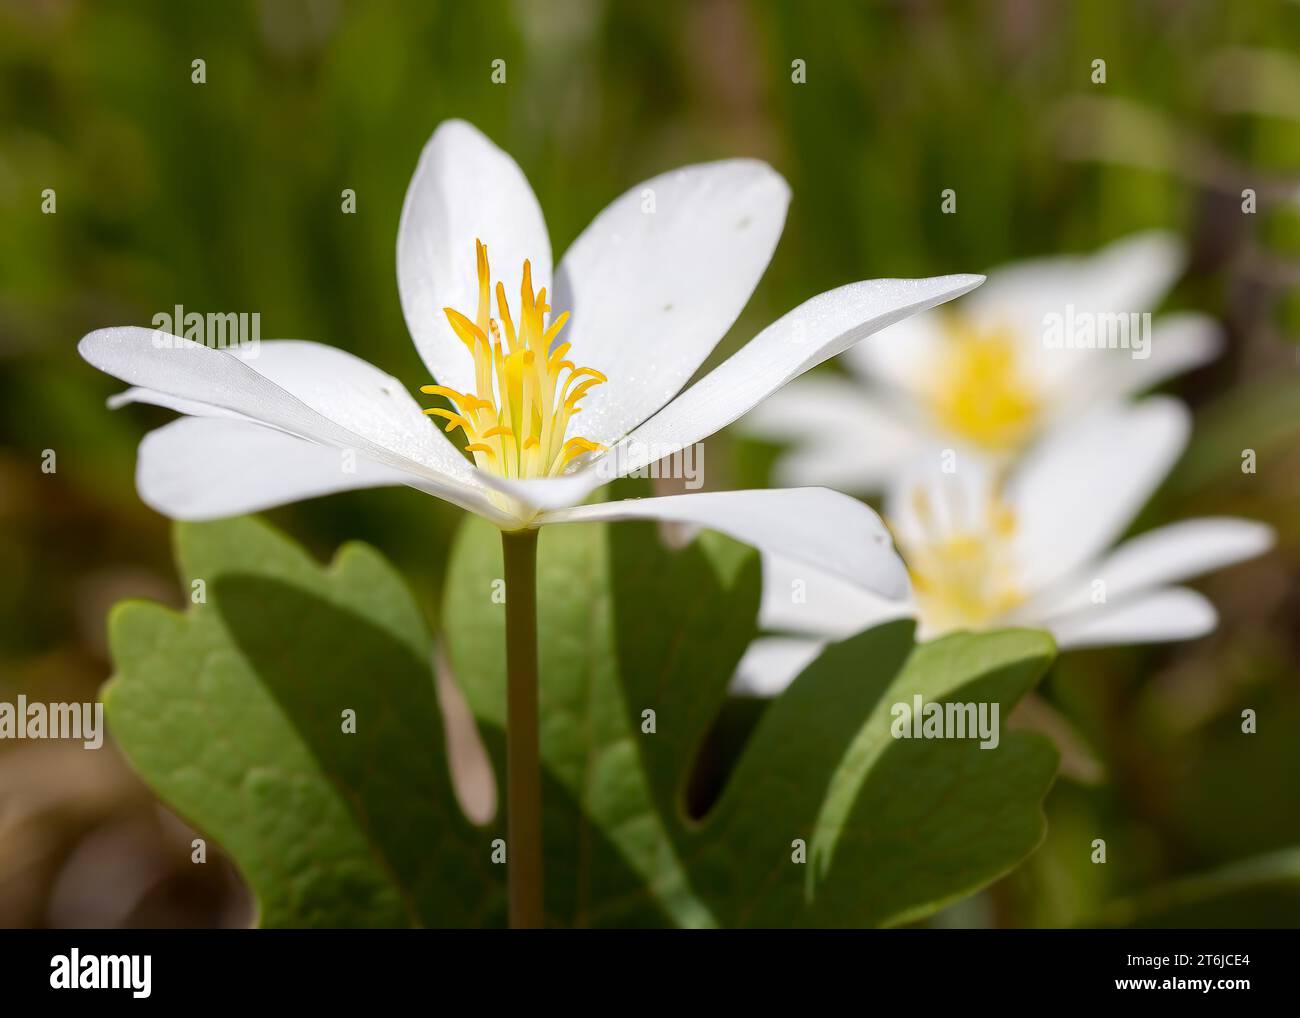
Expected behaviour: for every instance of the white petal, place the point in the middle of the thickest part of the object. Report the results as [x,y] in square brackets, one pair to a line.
[816,527]
[1179,343]
[1075,493]
[862,469]
[903,355]
[819,404]
[464,189]
[1165,555]
[152,397]
[797,599]
[816,330]
[343,388]
[1130,275]
[1073,381]
[552,493]
[770,664]
[203,468]
[1175,613]
[844,438]
[927,503]
[653,288]
[1127,277]
[356,406]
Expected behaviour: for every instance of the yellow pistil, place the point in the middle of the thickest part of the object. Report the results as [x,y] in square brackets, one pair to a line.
[525,391]
[980,391]
[963,579]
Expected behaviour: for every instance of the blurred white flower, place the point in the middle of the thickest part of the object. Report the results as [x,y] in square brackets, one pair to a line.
[1028,551]
[649,288]
[992,373]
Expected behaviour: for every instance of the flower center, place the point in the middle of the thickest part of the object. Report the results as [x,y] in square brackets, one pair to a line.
[963,578]
[980,391]
[525,391]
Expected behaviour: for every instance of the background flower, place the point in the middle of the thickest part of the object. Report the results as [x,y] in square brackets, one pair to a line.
[1032,551]
[986,374]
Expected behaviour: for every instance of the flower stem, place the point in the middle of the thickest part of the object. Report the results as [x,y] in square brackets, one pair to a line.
[523,769]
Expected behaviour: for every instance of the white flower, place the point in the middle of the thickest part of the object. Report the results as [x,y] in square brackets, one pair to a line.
[992,373]
[650,287]
[1030,551]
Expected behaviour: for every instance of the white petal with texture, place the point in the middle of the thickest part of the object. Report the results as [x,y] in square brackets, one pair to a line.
[816,527]
[203,468]
[815,331]
[344,388]
[652,287]
[360,407]
[464,189]
[902,356]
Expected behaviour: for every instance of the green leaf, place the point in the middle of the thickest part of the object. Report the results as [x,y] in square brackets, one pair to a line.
[894,828]
[234,714]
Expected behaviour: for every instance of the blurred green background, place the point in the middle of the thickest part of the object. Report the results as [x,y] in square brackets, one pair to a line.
[226,196]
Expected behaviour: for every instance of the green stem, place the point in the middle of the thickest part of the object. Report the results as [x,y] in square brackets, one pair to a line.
[523,768]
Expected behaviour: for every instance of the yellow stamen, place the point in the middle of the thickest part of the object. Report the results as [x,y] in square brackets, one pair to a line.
[980,390]
[574,448]
[470,334]
[965,575]
[572,398]
[506,320]
[442,390]
[525,390]
[473,404]
[454,421]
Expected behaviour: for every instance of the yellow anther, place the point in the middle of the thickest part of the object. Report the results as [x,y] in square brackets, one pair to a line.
[554,330]
[474,404]
[470,334]
[504,310]
[575,447]
[571,400]
[454,421]
[592,372]
[442,390]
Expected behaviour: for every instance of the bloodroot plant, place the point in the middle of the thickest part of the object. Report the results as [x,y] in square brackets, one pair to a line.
[548,406]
